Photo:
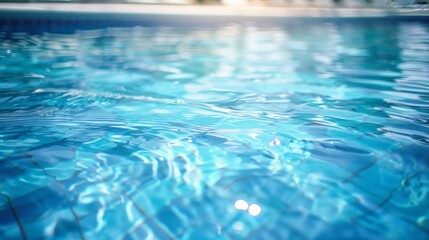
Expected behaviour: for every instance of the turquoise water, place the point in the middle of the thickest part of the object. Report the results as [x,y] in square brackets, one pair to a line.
[237,131]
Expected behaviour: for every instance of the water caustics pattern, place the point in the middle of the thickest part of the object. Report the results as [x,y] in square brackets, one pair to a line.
[239,131]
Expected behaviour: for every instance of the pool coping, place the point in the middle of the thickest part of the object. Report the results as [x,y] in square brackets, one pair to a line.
[211,10]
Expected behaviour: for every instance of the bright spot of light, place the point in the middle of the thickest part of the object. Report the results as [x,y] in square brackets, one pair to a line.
[241,205]
[275,142]
[318,100]
[253,135]
[254,209]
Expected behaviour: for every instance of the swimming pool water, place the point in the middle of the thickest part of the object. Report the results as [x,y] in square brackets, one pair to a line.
[238,131]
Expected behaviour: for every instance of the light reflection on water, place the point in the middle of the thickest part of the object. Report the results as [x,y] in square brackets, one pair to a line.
[237,131]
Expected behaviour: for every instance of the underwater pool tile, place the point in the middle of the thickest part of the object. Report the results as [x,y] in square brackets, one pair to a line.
[139,231]
[344,134]
[411,214]
[35,211]
[371,221]
[10,232]
[31,180]
[347,231]
[62,171]
[172,220]
[382,180]
[8,219]
[348,157]
[353,203]
[49,225]
[84,209]
[292,221]
[53,191]
[380,143]
[205,230]
[151,198]
[320,169]
[101,145]
[413,192]
[15,165]
[123,214]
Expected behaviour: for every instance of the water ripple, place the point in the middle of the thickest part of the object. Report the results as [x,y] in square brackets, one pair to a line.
[238,131]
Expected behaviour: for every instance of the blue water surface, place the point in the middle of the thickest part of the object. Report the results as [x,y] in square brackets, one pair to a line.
[237,131]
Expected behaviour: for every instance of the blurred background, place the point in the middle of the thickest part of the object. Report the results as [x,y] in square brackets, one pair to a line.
[278,3]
